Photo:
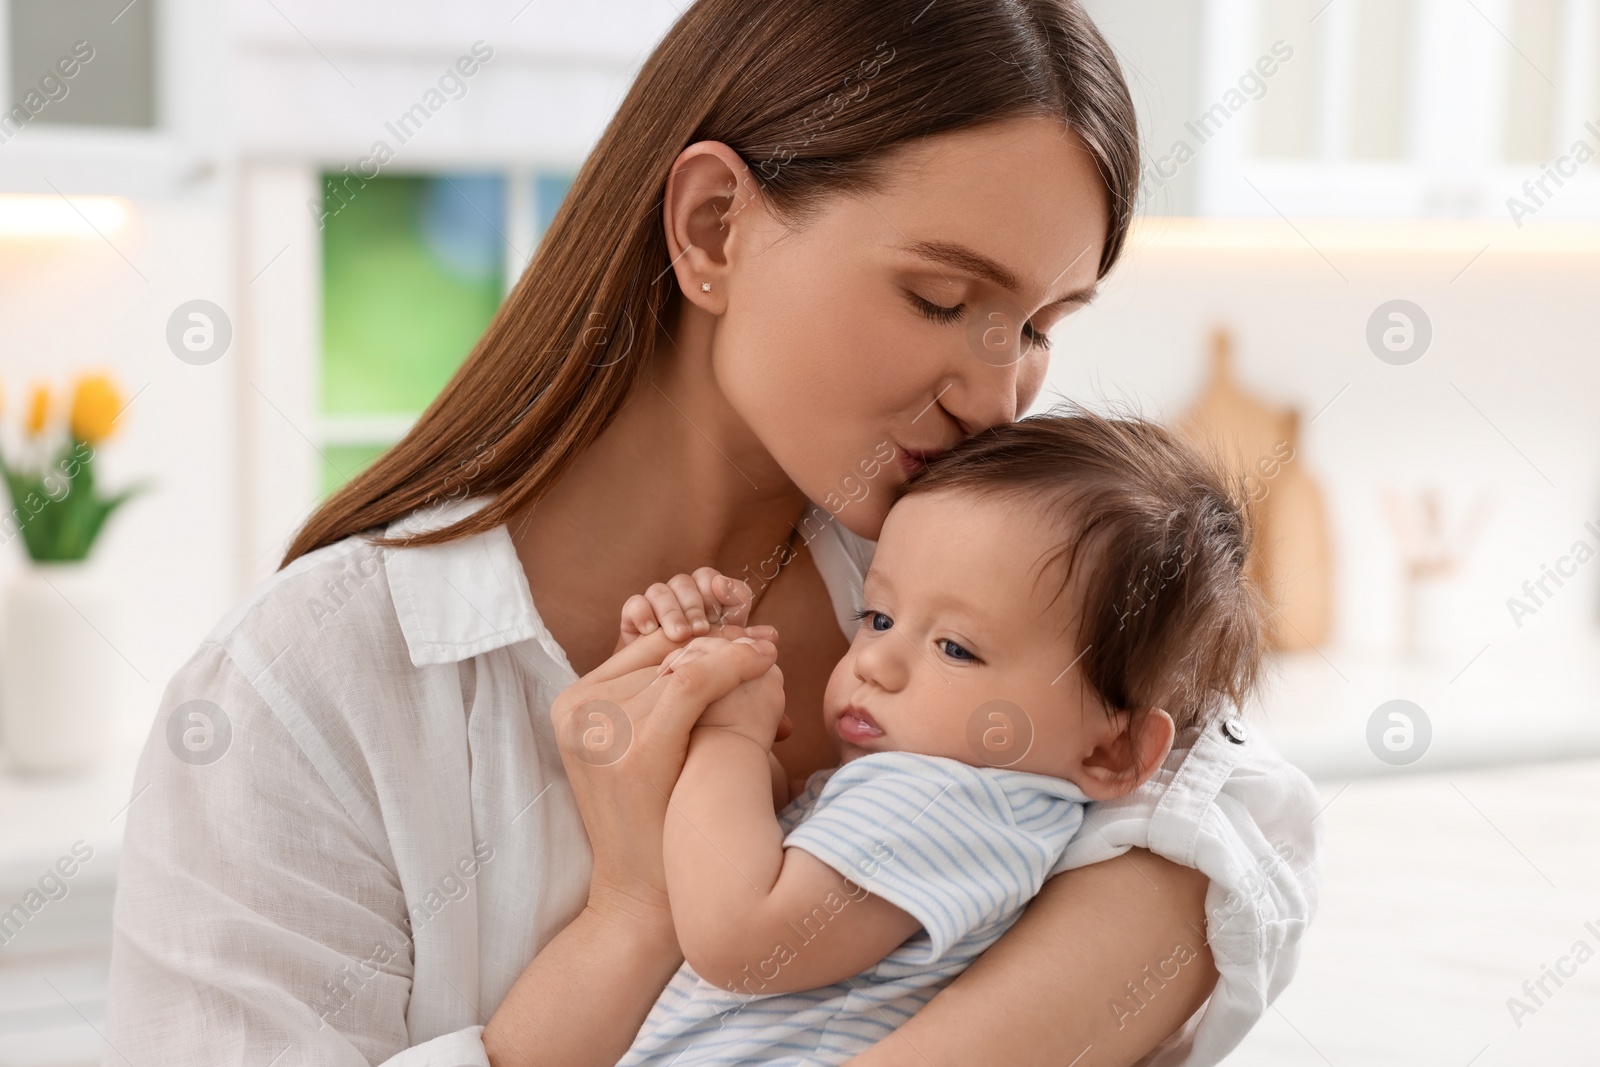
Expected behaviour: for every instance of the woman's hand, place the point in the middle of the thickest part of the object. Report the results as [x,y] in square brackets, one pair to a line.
[623,731]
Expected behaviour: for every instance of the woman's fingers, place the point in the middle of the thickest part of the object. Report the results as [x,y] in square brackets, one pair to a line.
[710,642]
[646,651]
[649,649]
[709,676]
[692,651]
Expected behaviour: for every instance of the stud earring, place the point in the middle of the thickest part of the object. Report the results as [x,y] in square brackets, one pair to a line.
[705,287]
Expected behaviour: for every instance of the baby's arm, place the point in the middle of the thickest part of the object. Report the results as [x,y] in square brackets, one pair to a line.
[690,604]
[751,915]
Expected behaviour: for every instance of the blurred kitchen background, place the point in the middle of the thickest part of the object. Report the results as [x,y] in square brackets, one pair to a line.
[1367,264]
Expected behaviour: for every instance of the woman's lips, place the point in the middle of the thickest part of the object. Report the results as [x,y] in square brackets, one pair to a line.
[855,726]
[912,461]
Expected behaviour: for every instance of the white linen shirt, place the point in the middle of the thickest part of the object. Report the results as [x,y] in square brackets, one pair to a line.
[351,829]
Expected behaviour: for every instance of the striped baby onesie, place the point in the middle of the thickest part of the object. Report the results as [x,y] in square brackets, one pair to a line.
[962,849]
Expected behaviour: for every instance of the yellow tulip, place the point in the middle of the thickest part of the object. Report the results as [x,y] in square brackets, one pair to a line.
[38,410]
[95,405]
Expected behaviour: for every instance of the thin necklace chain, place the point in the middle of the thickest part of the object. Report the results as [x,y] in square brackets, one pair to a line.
[756,600]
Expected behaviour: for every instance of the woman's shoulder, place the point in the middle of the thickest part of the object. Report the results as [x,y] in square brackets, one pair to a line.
[311,592]
[358,601]
[331,655]
[339,644]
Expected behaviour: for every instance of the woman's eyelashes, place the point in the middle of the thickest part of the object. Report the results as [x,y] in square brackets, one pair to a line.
[936,312]
[945,315]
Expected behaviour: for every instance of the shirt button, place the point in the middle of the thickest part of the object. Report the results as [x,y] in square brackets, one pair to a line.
[1234,730]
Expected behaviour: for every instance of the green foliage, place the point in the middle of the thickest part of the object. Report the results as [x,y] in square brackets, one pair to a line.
[57,509]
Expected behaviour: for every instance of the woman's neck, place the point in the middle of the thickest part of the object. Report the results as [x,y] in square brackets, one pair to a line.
[676,482]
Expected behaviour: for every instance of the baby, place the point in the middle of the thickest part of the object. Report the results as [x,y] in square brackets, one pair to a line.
[1047,604]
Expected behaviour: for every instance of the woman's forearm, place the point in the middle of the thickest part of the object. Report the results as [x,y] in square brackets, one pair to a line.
[1110,959]
[585,995]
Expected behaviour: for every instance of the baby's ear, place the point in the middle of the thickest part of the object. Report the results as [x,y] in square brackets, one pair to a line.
[1134,746]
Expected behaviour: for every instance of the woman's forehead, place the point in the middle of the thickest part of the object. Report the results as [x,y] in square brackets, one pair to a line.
[1023,198]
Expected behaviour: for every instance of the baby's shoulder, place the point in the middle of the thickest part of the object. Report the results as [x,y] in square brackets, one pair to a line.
[913,785]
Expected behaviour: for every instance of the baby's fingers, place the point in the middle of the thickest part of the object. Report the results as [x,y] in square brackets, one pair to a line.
[729,598]
[691,601]
[668,612]
[638,618]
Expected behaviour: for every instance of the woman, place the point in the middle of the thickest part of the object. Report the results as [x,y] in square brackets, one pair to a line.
[817,243]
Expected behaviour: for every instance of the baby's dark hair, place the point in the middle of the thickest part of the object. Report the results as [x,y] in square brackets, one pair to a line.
[1170,616]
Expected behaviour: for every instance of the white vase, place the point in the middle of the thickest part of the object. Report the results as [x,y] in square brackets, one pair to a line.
[1431,624]
[56,672]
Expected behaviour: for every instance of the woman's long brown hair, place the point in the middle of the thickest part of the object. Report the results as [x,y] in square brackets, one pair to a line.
[813,96]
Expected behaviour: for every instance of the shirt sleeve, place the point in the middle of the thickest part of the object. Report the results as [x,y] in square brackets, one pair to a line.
[932,836]
[1246,818]
[255,920]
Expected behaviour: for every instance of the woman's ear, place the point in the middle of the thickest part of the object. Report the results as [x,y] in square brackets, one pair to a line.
[1135,744]
[709,191]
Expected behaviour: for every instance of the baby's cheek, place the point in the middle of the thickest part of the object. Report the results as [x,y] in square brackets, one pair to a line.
[837,692]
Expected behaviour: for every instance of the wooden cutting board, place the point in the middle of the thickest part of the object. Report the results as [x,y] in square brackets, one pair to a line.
[1292,556]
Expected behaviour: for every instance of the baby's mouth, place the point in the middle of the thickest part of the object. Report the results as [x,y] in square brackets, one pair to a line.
[856,725]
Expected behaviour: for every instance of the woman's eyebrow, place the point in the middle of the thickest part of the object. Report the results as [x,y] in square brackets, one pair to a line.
[978,265]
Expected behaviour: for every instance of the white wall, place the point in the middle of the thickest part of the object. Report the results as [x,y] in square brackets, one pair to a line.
[319,81]
[77,305]
[1514,335]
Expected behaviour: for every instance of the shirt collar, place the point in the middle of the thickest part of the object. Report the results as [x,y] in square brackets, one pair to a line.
[465,597]
[470,596]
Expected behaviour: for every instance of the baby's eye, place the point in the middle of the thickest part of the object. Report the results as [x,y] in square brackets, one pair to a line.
[955,651]
[874,618]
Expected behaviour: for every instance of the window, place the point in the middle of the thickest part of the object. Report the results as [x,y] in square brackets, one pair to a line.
[84,62]
[1529,128]
[1386,108]
[414,267]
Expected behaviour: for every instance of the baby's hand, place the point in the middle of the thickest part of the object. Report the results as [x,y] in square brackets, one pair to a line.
[754,709]
[685,606]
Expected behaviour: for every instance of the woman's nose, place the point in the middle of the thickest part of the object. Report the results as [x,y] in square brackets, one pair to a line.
[992,389]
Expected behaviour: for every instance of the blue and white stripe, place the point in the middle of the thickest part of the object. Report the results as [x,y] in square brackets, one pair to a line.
[962,849]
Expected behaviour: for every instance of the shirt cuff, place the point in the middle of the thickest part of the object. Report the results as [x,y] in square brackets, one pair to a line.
[1246,818]
[460,1048]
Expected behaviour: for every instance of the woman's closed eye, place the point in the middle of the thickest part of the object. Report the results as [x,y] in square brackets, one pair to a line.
[941,314]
